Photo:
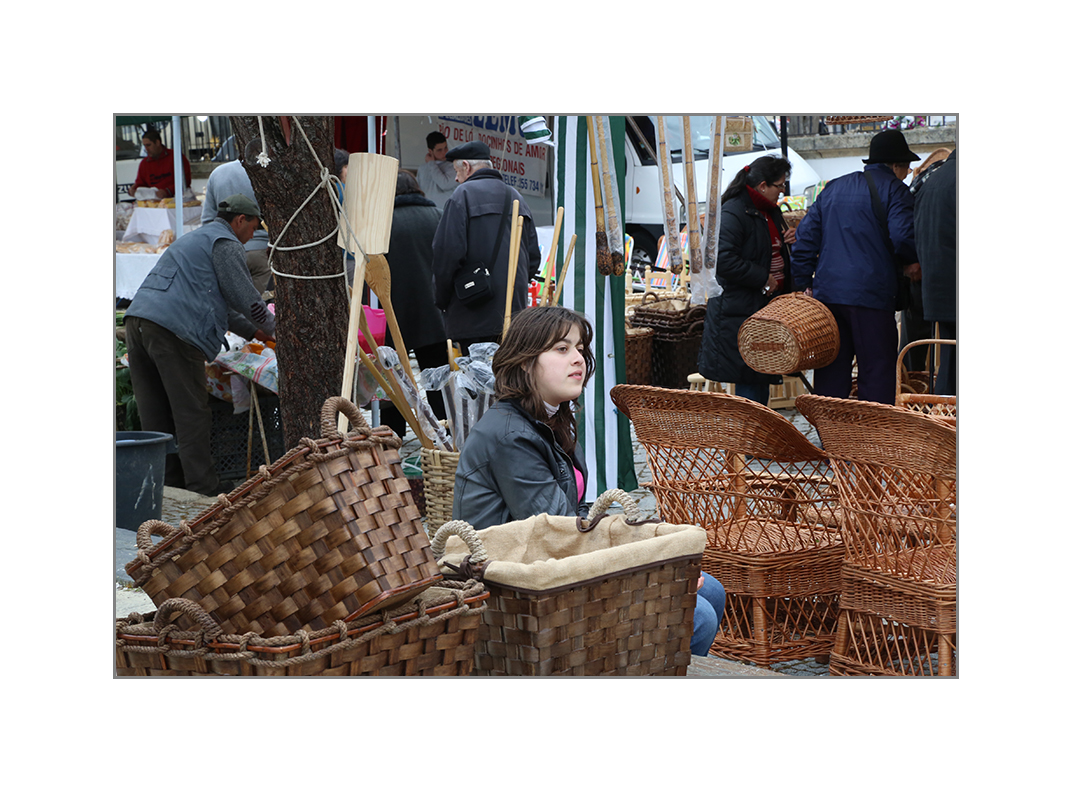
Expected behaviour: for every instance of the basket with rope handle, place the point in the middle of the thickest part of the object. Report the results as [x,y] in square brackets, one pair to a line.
[433,633]
[328,532]
[611,594]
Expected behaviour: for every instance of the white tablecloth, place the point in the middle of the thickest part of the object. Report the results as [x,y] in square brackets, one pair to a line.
[130,271]
[146,223]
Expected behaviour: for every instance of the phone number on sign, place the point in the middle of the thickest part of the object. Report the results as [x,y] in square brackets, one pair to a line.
[523,183]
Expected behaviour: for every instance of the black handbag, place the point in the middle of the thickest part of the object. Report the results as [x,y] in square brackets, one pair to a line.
[473,284]
[904,296]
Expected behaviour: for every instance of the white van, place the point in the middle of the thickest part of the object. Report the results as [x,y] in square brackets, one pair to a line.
[644,202]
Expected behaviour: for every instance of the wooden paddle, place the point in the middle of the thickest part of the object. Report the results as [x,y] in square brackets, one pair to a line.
[378,274]
[369,199]
[550,274]
[562,276]
[603,254]
[512,263]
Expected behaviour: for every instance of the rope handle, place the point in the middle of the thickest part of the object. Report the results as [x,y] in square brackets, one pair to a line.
[335,405]
[464,531]
[144,536]
[605,500]
[190,609]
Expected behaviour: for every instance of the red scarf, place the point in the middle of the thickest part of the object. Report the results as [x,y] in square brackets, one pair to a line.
[778,266]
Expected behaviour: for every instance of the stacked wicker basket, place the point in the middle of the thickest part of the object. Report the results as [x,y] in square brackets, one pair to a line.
[677,328]
[319,564]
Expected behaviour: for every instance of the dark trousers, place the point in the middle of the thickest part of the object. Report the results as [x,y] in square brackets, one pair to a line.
[168,376]
[946,380]
[428,357]
[871,336]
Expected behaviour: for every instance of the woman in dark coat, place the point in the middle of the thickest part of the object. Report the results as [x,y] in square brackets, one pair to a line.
[752,268]
[409,257]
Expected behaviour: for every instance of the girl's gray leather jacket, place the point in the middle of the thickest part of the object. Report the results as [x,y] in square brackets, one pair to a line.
[511,468]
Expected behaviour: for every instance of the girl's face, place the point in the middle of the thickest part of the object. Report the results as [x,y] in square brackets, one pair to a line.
[560,370]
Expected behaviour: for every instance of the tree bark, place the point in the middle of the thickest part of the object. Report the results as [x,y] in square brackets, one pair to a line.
[311,315]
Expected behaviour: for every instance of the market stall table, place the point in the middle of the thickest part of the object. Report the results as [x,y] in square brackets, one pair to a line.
[130,271]
[147,223]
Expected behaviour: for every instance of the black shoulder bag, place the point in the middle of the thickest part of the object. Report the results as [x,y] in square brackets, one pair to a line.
[473,284]
[901,301]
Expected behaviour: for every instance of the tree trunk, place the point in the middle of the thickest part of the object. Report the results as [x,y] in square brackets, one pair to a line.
[312,315]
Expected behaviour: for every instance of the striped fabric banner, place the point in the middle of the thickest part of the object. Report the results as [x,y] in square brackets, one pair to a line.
[604,433]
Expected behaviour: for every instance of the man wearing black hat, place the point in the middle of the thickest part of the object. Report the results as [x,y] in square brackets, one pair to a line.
[851,249]
[471,249]
[200,288]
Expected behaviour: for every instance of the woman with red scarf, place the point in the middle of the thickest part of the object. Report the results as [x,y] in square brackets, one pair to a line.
[753,267]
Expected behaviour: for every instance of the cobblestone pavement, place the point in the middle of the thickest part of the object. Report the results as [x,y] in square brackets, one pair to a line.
[180,504]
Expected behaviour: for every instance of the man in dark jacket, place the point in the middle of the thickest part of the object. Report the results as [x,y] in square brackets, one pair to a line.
[466,237]
[936,236]
[852,266]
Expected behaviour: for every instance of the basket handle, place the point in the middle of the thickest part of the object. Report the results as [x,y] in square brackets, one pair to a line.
[605,500]
[144,536]
[335,405]
[190,609]
[466,533]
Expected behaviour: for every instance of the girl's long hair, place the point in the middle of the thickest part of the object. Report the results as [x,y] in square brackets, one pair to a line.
[533,331]
[768,169]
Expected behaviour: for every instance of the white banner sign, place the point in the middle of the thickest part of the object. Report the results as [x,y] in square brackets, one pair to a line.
[523,164]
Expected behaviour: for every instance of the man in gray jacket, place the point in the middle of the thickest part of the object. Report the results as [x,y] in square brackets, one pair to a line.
[176,322]
[473,219]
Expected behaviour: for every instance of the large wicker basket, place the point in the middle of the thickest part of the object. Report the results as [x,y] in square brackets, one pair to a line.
[677,330]
[944,408]
[792,333]
[432,634]
[615,598]
[639,355]
[329,532]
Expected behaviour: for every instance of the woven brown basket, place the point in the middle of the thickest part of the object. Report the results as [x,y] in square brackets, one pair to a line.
[897,475]
[792,333]
[438,468]
[937,406]
[432,634]
[793,217]
[634,621]
[668,318]
[639,355]
[329,532]
[674,356]
[762,492]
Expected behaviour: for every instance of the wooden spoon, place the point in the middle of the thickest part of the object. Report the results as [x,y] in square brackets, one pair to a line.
[378,275]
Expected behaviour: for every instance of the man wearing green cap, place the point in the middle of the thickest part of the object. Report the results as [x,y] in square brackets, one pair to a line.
[199,289]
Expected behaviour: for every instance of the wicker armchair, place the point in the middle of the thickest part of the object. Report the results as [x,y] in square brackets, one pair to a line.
[897,475]
[761,491]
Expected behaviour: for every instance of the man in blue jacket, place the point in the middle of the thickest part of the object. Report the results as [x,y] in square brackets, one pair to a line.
[850,252]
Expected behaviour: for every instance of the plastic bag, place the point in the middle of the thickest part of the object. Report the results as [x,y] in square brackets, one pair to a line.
[426,419]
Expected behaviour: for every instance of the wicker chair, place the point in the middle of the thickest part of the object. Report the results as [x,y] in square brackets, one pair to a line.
[897,475]
[761,490]
[937,405]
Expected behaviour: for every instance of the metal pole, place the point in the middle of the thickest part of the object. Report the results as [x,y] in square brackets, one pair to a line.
[180,187]
[785,152]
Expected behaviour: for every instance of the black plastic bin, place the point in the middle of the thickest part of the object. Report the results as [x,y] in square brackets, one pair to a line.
[139,476]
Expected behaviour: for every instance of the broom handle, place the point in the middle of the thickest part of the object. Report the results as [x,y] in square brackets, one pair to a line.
[357,314]
[562,276]
[551,259]
[512,265]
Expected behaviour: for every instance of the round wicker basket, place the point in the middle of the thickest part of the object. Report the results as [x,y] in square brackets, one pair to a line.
[792,333]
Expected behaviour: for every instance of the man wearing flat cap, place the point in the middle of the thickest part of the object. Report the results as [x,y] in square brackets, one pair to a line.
[475,218]
[200,288]
[852,248]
